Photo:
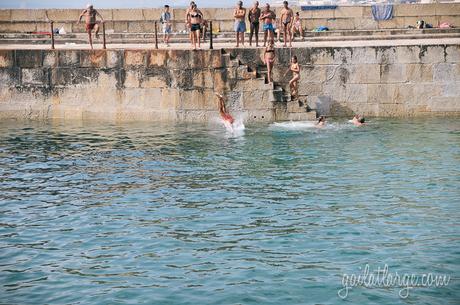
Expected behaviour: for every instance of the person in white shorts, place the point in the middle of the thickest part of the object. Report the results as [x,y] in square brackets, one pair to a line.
[165,20]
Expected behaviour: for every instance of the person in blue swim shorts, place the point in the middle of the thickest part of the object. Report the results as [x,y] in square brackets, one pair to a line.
[240,24]
[268,16]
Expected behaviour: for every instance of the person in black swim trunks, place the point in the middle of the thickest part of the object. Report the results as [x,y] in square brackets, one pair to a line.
[286,19]
[195,16]
[253,16]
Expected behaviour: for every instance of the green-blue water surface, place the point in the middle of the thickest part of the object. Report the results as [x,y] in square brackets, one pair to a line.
[99,213]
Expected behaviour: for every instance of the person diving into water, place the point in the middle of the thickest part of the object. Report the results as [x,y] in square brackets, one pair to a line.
[226,117]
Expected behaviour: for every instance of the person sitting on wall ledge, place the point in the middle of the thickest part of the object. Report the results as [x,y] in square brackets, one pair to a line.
[297,27]
[91,24]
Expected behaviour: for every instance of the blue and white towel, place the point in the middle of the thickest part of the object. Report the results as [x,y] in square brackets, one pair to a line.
[382,11]
[317,7]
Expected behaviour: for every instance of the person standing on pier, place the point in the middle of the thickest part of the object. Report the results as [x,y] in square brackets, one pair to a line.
[165,20]
[187,19]
[253,16]
[268,16]
[91,23]
[196,18]
[240,23]
[286,20]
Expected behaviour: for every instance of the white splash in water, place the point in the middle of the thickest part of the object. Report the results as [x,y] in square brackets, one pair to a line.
[309,126]
[236,129]
[297,125]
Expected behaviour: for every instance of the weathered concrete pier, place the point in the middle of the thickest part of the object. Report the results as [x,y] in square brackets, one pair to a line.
[170,85]
[403,76]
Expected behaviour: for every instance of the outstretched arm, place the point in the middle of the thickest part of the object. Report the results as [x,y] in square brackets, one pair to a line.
[81,15]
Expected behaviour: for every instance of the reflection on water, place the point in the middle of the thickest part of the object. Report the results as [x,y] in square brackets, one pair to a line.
[185,214]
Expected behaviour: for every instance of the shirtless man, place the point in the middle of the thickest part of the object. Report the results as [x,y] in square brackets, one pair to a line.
[90,19]
[268,17]
[240,23]
[287,15]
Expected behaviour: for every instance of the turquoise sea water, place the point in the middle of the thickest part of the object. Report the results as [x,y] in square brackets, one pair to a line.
[97,213]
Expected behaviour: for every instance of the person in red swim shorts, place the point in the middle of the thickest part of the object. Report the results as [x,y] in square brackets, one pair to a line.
[223,111]
[90,19]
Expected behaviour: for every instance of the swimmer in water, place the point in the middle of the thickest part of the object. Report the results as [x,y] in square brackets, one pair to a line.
[321,121]
[358,121]
[223,111]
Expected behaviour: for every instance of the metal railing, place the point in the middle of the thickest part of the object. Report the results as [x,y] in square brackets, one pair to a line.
[104,39]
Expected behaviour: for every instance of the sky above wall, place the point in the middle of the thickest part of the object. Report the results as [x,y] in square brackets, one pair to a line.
[115,3]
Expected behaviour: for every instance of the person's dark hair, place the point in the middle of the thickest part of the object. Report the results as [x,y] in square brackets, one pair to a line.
[285,2]
[297,14]
[166,6]
[295,58]
[321,119]
[362,120]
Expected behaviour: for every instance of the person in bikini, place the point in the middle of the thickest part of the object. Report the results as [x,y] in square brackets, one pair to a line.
[294,82]
[187,19]
[195,17]
[253,16]
[91,23]
[268,16]
[286,19]
[297,27]
[269,59]
[226,117]
[240,24]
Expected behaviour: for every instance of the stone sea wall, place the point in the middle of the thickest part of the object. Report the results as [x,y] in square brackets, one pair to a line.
[140,20]
[178,85]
